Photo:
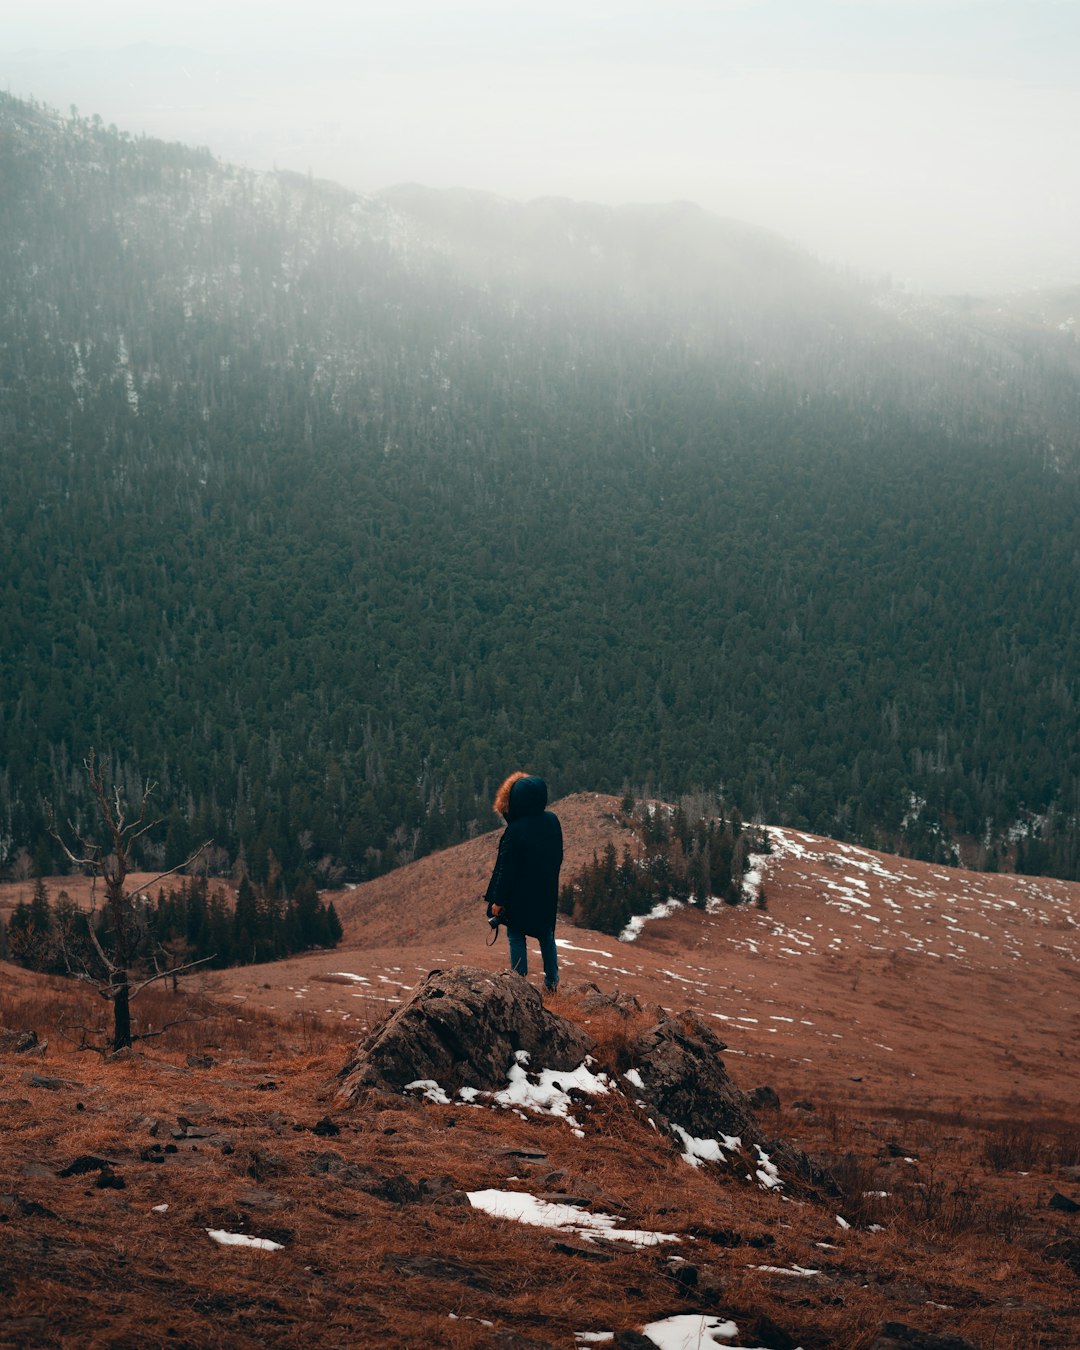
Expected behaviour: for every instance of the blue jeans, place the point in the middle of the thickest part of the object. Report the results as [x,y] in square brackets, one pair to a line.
[519,957]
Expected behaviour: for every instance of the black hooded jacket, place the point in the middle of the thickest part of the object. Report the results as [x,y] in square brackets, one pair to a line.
[525,880]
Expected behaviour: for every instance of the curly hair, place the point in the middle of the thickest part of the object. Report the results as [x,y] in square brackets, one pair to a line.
[502,798]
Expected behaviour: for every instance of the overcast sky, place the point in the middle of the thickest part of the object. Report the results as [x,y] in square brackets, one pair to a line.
[937,141]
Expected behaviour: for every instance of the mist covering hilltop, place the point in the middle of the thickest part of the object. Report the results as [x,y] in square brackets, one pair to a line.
[325,509]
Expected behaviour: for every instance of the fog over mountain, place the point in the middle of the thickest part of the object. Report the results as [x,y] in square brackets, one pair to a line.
[931,142]
[321,508]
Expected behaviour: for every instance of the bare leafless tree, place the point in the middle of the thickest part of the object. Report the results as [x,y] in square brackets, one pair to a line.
[112,865]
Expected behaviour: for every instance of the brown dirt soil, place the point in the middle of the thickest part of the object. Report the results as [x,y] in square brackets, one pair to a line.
[918,1023]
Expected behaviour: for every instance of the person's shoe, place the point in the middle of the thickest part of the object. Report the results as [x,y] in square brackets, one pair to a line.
[551,990]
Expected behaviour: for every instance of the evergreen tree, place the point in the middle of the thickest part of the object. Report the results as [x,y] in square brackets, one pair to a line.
[305,902]
[247,931]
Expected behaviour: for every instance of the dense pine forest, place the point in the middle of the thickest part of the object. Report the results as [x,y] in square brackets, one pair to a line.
[326,511]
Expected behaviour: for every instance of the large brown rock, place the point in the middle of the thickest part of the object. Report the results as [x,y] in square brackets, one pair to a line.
[684,1083]
[462,1028]
[679,1062]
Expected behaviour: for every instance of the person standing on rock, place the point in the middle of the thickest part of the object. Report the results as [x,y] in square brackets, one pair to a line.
[523,892]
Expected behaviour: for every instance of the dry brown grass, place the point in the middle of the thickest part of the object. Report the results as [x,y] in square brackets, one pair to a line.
[357,1211]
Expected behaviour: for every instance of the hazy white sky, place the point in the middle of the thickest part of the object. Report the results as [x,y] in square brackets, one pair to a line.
[935,140]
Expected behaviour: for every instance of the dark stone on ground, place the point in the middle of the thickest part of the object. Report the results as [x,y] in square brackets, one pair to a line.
[686,1084]
[40,1080]
[86,1162]
[763,1331]
[764,1098]
[685,1275]
[633,1340]
[897,1336]
[462,1028]
[17,1042]
[1062,1202]
[443,1192]
[399,1189]
[109,1181]
[325,1128]
[14,1205]
[437,1268]
[265,1164]
[258,1197]
[802,1105]
[684,1080]
[588,1253]
[190,1111]
[1067,1250]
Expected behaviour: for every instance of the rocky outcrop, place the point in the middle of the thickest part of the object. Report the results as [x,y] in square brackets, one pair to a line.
[462,1028]
[683,1081]
[22,1042]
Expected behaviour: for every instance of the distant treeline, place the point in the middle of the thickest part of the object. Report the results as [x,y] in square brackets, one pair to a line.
[185,923]
[683,854]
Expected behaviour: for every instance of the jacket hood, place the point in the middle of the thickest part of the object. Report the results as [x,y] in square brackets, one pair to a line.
[528,797]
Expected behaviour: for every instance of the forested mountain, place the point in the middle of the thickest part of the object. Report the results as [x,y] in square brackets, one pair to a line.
[325,511]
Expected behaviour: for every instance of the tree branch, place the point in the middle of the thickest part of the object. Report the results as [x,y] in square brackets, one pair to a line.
[180,1021]
[109,965]
[54,830]
[169,974]
[178,868]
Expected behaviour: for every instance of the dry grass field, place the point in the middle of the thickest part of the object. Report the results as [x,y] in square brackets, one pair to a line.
[918,1024]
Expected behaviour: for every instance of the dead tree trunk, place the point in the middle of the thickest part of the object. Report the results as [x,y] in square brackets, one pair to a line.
[113,865]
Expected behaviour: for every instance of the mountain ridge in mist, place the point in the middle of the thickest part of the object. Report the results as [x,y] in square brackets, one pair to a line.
[321,527]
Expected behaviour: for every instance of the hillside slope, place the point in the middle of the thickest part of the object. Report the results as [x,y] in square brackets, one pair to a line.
[946,988]
[915,1024]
